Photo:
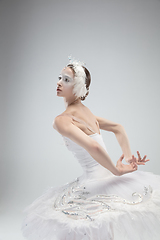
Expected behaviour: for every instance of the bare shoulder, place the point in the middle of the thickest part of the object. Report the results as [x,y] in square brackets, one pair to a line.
[63,124]
[60,122]
[99,119]
[89,112]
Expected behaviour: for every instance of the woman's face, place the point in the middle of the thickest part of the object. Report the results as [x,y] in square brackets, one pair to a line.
[66,83]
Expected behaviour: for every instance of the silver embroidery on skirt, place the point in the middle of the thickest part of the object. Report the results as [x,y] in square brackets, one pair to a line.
[73,201]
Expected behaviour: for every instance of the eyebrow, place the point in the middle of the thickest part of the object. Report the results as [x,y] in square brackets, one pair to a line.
[67,76]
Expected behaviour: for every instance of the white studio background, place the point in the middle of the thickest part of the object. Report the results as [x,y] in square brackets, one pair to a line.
[119,42]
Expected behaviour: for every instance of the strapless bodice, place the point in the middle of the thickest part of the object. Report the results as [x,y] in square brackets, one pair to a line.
[92,169]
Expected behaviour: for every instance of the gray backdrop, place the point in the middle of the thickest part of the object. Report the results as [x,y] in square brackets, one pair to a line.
[119,42]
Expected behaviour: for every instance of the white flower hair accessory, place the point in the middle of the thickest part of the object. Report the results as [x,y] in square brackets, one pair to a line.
[79,89]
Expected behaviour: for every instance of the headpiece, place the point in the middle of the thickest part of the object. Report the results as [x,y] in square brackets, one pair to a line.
[79,89]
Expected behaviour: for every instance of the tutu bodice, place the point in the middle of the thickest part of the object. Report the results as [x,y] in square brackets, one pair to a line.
[92,169]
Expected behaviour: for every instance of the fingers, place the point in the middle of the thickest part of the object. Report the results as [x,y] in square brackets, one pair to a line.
[141,161]
[138,154]
[134,163]
[139,157]
[147,160]
[133,158]
[121,158]
[134,166]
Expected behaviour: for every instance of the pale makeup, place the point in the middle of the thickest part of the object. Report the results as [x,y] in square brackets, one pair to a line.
[66,79]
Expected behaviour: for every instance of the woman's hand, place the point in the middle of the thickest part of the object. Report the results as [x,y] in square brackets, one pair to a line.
[139,160]
[123,168]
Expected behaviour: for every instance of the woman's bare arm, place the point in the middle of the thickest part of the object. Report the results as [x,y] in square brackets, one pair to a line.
[120,134]
[64,125]
[122,138]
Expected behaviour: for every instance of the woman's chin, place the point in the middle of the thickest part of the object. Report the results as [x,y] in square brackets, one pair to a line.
[58,93]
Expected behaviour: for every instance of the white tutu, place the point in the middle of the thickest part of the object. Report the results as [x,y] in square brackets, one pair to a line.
[97,205]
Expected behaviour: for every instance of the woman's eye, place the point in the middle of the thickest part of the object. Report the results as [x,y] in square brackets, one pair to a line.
[66,79]
[59,78]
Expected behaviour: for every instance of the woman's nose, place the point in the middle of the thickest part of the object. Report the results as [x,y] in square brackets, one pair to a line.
[59,82]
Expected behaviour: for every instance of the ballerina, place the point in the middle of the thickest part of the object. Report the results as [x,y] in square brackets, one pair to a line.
[106,201]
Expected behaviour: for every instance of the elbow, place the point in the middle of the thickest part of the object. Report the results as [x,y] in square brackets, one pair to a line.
[94,147]
[119,128]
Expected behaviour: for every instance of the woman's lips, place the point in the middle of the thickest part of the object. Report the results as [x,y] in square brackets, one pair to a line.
[59,90]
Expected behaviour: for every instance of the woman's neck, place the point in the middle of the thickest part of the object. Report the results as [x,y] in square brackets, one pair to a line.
[70,103]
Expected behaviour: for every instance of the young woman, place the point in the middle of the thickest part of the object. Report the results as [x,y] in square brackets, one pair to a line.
[107,201]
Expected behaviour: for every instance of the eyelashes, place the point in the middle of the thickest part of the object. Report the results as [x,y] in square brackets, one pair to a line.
[59,78]
[66,79]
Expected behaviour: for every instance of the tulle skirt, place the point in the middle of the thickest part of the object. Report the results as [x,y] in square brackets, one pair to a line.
[113,208]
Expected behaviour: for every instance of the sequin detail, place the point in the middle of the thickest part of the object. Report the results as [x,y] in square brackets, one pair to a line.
[73,201]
